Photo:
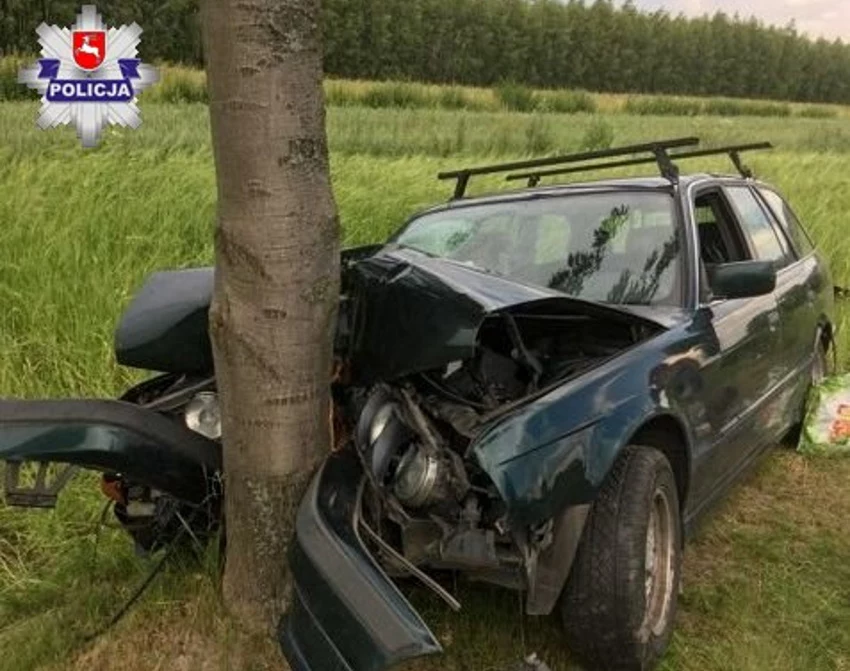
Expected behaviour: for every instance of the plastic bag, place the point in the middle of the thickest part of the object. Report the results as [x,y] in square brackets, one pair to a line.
[826,427]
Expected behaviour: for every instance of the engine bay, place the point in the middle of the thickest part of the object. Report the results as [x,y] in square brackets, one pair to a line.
[426,494]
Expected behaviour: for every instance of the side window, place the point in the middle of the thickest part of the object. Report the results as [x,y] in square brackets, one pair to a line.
[719,241]
[767,242]
[786,217]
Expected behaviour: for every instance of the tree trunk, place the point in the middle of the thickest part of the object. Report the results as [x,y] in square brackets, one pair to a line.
[276,282]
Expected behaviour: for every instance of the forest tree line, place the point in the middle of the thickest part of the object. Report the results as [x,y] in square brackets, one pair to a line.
[597,46]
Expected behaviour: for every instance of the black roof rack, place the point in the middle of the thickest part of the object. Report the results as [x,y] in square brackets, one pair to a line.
[657,153]
[657,149]
[734,152]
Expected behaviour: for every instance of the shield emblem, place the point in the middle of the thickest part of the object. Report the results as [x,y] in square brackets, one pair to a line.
[89,48]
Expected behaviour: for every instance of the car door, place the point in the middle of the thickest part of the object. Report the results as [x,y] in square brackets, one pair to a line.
[800,288]
[737,370]
[768,243]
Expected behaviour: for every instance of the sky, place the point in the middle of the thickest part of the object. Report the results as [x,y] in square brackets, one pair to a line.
[817,18]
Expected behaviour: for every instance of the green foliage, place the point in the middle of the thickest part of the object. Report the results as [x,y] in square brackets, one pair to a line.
[601,45]
[516,97]
[599,135]
[10,89]
[339,93]
[662,106]
[814,112]
[394,94]
[178,85]
[727,107]
[566,102]
[172,29]
[538,136]
[670,106]
[453,98]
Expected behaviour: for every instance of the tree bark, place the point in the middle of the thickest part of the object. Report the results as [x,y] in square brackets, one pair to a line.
[276,282]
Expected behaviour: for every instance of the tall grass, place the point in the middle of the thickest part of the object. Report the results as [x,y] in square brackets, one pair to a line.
[662,106]
[516,97]
[440,133]
[180,84]
[394,94]
[729,107]
[732,107]
[565,102]
[817,112]
[10,89]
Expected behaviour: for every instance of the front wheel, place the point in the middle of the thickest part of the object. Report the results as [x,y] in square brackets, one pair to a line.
[619,603]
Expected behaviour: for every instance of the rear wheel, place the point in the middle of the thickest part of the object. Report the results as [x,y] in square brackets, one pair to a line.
[619,603]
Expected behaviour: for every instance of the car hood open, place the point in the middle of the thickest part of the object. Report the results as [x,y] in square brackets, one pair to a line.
[409,312]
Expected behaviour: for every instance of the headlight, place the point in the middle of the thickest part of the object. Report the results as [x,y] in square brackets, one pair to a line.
[202,415]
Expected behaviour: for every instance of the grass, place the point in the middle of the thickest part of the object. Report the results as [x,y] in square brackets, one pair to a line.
[179,84]
[767,583]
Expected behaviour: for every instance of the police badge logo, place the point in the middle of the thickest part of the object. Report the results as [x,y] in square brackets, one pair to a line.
[88,76]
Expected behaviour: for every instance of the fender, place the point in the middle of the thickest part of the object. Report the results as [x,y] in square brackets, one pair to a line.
[539,468]
[107,435]
[543,477]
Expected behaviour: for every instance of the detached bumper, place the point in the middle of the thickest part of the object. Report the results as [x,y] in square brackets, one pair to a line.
[346,614]
[106,435]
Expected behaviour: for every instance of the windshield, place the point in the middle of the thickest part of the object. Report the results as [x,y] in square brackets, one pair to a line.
[621,247]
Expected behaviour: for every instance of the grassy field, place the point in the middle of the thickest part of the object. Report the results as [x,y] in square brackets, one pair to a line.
[767,585]
[180,84]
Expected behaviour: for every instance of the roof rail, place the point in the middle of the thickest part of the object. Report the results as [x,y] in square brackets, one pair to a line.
[657,149]
[734,152]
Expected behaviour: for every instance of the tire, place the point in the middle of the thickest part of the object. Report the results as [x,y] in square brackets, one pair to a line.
[617,610]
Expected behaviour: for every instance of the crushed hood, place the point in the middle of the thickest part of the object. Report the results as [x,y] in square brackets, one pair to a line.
[410,312]
[402,312]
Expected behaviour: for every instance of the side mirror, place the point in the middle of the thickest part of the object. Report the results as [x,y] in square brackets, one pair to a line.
[742,279]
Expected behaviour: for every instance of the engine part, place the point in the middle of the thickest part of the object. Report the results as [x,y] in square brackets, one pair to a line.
[472,549]
[381,433]
[417,477]
[425,480]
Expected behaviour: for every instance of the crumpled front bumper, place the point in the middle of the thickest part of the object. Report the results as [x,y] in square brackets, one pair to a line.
[346,614]
[107,435]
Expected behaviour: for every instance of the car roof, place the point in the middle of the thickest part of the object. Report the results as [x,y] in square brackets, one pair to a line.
[647,183]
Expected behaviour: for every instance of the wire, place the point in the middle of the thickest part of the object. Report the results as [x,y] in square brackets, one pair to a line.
[140,590]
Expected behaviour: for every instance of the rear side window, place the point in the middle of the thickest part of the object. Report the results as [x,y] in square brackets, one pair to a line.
[786,217]
[719,240]
[757,226]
